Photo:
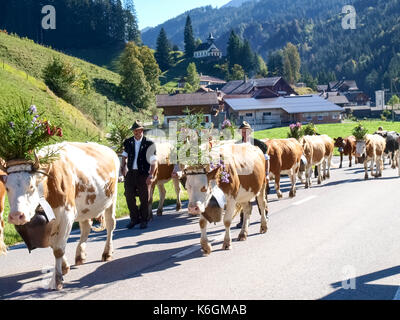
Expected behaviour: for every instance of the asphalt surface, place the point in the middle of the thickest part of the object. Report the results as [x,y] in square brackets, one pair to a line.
[338,240]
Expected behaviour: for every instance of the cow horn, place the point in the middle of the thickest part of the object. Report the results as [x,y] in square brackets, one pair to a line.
[36,164]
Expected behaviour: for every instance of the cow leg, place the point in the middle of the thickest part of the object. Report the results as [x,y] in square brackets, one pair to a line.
[58,243]
[263,207]
[162,192]
[366,169]
[3,247]
[341,160]
[308,177]
[80,256]
[230,209]
[350,159]
[205,245]
[319,174]
[110,226]
[325,175]
[246,218]
[278,186]
[398,162]
[293,173]
[177,188]
[393,160]
[329,161]
[379,164]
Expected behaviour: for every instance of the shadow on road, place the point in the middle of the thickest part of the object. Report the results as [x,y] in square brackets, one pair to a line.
[365,291]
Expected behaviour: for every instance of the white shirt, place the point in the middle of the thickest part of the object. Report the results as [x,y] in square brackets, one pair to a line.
[137,148]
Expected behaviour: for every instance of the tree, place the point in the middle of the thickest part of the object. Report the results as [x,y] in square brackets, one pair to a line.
[236,73]
[132,32]
[134,87]
[248,58]
[261,68]
[192,78]
[291,63]
[275,63]
[233,49]
[151,69]
[59,76]
[163,51]
[394,100]
[190,45]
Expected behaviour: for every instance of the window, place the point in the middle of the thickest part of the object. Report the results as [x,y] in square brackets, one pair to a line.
[309,118]
[250,115]
[267,114]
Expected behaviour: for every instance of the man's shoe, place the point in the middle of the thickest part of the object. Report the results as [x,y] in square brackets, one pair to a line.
[131,224]
[143,225]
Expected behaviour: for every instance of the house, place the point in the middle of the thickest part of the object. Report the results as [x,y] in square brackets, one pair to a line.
[206,82]
[350,90]
[208,49]
[262,88]
[322,88]
[336,98]
[273,112]
[174,105]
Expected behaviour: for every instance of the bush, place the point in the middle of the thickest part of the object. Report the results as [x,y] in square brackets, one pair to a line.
[59,76]
[295,131]
[359,132]
[310,129]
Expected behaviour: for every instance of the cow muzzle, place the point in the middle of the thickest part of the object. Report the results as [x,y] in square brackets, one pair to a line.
[195,209]
[17,218]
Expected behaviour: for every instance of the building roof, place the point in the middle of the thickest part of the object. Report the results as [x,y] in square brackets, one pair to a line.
[187,99]
[244,87]
[211,79]
[202,47]
[335,98]
[346,85]
[322,87]
[292,104]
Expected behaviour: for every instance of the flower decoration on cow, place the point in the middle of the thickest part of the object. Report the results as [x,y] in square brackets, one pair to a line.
[359,132]
[295,131]
[23,132]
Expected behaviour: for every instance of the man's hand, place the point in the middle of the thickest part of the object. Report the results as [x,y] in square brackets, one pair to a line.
[123,171]
[149,180]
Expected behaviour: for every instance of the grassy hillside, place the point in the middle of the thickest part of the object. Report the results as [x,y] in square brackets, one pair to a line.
[25,55]
[16,85]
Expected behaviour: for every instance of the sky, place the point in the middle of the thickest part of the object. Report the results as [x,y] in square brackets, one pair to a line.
[151,13]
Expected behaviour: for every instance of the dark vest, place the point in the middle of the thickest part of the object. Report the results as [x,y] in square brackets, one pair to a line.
[142,161]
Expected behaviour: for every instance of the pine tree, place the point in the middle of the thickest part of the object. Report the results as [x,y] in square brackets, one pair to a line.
[291,63]
[132,32]
[233,49]
[163,51]
[192,78]
[133,86]
[275,64]
[248,58]
[150,68]
[190,45]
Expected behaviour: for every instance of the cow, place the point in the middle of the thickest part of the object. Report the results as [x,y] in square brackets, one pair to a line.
[3,247]
[347,147]
[240,176]
[164,174]
[371,149]
[318,151]
[285,158]
[79,184]
[392,146]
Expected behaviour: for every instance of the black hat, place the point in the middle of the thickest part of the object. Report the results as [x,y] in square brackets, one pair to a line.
[245,125]
[137,125]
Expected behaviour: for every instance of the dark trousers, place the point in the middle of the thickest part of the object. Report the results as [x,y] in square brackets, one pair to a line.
[135,185]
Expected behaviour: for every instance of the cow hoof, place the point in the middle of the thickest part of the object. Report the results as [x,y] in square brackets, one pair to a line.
[280,195]
[242,237]
[159,212]
[106,257]
[178,207]
[263,229]
[319,182]
[59,283]
[206,247]
[79,261]
[65,270]
[292,194]
[226,245]
[366,177]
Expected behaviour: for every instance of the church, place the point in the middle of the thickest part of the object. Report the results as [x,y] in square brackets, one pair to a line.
[208,49]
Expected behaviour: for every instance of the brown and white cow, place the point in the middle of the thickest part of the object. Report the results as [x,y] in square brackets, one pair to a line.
[347,147]
[318,151]
[241,178]
[81,184]
[285,156]
[3,247]
[371,149]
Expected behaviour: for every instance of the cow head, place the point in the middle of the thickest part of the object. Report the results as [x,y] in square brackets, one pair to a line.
[340,143]
[361,148]
[199,184]
[22,186]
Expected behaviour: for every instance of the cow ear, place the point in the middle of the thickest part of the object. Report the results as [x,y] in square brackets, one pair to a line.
[335,139]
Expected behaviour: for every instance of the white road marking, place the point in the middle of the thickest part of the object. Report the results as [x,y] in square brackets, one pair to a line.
[196,247]
[397,295]
[304,200]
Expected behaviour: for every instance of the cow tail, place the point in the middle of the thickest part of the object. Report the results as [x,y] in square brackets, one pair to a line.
[102,224]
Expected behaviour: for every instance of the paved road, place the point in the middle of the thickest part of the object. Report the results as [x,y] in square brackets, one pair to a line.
[340,240]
